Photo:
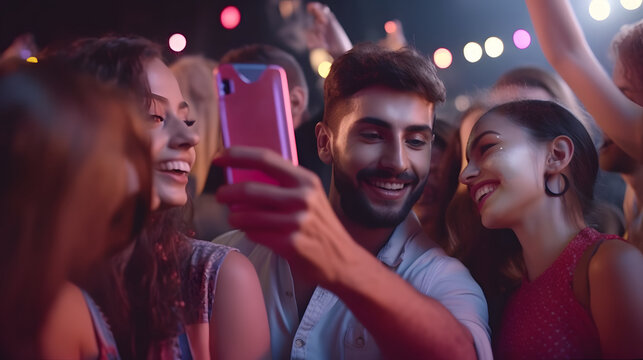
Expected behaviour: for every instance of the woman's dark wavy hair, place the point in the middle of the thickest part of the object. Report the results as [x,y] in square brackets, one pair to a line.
[112,59]
[141,293]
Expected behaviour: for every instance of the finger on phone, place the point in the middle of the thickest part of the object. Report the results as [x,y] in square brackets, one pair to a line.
[260,195]
[264,160]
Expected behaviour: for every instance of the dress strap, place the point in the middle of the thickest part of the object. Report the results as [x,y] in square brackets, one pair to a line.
[580,284]
[104,338]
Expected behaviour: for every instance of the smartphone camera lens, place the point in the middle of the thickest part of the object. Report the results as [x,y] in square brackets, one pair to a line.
[226,87]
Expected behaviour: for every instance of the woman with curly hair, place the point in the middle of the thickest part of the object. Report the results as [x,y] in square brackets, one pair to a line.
[168,281]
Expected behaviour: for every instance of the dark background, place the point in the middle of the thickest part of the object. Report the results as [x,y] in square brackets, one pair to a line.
[428,25]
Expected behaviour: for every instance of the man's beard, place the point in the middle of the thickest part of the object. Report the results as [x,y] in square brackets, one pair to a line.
[356,205]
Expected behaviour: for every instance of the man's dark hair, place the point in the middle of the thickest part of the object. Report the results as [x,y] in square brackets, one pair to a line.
[368,65]
[271,55]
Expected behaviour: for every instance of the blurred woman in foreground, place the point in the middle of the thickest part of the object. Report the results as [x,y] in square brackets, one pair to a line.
[75,190]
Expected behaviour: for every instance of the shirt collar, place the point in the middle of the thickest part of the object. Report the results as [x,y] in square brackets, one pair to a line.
[392,253]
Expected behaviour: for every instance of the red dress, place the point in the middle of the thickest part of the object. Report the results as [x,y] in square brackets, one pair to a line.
[544,320]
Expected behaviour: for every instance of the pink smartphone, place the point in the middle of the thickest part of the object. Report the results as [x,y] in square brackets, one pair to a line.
[255,111]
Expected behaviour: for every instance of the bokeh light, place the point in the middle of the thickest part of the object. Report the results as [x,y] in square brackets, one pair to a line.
[32,59]
[324,68]
[599,10]
[462,102]
[288,7]
[25,53]
[631,4]
[494,47]
[318,56]
[442,58]
[390,27]
[230,17]
[177,42]
[472,52]
[522,39]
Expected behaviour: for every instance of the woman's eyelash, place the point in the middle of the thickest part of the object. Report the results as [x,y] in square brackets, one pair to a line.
[189,122]
[485,147]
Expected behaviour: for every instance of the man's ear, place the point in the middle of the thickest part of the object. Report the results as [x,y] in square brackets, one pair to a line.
[559,154]
[324,141]
[298,104]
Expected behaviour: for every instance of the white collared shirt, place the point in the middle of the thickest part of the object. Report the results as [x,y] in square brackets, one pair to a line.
[328,329]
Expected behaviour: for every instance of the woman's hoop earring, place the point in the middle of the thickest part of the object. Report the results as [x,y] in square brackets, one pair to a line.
[562,192]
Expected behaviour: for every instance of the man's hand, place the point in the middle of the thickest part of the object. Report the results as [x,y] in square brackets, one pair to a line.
[294,219]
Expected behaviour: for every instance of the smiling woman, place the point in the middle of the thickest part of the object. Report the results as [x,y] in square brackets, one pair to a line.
[173,139]
[168,281]
[532,167]
[518,157]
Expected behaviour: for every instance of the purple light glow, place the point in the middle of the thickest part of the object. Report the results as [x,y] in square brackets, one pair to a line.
[25,53]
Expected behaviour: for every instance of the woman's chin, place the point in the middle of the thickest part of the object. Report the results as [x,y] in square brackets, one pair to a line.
[491,221]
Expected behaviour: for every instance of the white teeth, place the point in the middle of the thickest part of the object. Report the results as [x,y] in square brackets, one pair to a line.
[176,165]
[484,190]
[388,185]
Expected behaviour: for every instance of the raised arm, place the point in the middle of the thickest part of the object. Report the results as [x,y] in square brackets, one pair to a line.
[326,32]
[567,50]
[297,222]
[405,323]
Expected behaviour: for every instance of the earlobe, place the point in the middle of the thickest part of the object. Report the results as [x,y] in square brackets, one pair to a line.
[298,104]
[323,142]
[561,150]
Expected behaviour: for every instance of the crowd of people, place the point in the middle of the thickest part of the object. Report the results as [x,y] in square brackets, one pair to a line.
[514,231]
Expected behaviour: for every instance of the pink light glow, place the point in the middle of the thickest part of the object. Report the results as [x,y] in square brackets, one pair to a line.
[230,17]
[522,39]
[390,27]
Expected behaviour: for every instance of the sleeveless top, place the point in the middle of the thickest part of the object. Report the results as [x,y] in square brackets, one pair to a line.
[104,338]
[543,319]
[199,282]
